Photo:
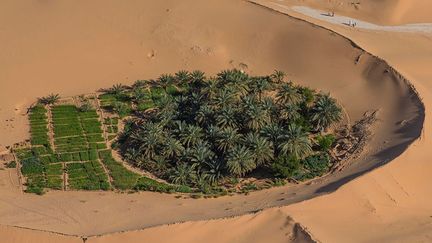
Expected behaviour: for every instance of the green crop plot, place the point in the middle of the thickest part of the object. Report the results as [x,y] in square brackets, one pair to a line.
[111,125]
[122,178]
[39,173]
[79,151]
[39,126]
[75,132]
[87,176]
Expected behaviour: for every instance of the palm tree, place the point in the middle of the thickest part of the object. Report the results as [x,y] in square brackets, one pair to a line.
[233,76]
[85,106]
[183,174]
[240,161]
[202,182]
[182,77]
[149,139]
[201,153]
[249,102]
[173,148]
[236,79]
[260,85]
[272,131]
[212,133]
[191,135]
[165,80]
[325,112]
[269,105]
[256,117]
[141,84]
[228,137]
[287,94]
[117,89]
[226,118]
[295,142]
[50,99]
[197,77]
[278,76]
[148,143]
[132,154]
[214,172]
[261,148]
[223,98]
[210,88]
[204,115]
[290,112]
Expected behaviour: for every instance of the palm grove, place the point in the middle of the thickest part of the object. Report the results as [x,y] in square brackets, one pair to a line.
[230,126]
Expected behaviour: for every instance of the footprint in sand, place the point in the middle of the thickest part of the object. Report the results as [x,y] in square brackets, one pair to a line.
[152,54]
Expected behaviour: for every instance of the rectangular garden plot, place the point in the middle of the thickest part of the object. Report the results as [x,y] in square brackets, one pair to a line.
[87,176]
[39,126]
[39,174]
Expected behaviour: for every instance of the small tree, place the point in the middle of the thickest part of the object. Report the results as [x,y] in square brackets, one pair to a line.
[51,99]
[325,112]
[278,76]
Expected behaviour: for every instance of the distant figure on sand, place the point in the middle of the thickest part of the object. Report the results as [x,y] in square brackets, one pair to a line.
[352,24]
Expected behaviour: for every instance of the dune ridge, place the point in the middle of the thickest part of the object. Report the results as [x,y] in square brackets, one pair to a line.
[384,12]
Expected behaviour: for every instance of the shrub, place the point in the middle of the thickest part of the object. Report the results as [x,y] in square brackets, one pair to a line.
[147,184]
[317,164]
[325,142]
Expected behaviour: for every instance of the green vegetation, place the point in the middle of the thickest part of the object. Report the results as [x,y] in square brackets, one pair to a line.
[203,131]
[111,125]
[76,133]
[147,184]
[122,178]
[39,174]
[87,176]
[39,126]
[49,100]
[202,135]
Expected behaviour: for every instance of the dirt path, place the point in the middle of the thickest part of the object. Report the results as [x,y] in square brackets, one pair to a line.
[348,21]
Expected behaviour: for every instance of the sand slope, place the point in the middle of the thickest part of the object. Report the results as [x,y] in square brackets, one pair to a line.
[385,12]
[80,46]
[19,235]
[392,203]
[249,228]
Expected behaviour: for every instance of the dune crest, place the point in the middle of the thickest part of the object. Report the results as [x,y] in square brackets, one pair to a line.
[383,12]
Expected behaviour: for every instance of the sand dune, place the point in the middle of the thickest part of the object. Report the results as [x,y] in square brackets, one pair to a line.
[80,46]
[20,235]
[384,12]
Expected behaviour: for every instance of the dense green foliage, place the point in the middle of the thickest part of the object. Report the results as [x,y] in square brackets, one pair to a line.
[206,129]
[122,177]
[198,133]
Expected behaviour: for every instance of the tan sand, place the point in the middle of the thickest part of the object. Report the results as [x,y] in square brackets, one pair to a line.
[384,12]
[73,64]
[248,228]
[18,235]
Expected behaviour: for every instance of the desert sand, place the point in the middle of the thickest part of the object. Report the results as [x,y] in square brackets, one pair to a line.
[121,43]
[383,12]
